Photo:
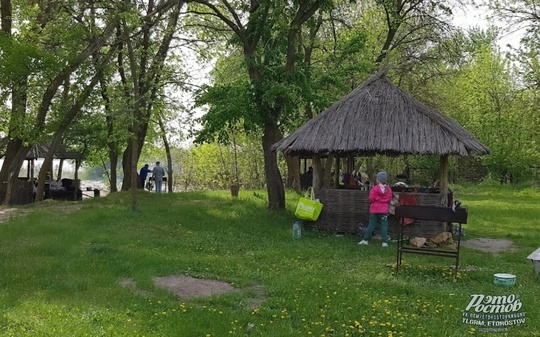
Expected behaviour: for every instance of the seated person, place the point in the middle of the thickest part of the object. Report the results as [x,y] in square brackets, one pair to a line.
[400,186]
[56,185]
[65,190]
[343,178]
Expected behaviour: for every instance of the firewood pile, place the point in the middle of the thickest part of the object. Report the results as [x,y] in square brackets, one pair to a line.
[443,239]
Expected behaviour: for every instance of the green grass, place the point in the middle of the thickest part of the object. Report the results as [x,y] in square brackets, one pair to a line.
[60,271]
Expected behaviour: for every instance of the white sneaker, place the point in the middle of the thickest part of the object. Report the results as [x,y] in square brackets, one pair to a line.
[363,243]
[384,244]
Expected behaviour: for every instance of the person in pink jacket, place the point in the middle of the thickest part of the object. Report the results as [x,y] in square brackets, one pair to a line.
[380,197]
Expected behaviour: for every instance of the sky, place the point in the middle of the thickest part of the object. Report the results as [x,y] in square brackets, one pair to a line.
[469,17]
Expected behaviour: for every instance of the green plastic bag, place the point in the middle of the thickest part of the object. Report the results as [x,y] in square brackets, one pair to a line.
[308,208]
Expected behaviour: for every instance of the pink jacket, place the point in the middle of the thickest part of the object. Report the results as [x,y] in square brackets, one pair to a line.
[379,200]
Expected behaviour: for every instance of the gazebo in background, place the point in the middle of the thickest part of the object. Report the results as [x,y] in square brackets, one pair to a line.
[376,118]
[25,189]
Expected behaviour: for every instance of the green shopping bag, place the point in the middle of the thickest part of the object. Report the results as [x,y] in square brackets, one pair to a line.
[308,208]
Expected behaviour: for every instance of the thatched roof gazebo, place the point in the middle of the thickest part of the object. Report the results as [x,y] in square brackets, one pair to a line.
[35,152]
[380,118]
[39,151]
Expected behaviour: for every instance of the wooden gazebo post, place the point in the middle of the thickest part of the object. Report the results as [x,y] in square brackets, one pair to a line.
[336,173]
[444,179]
[317,171]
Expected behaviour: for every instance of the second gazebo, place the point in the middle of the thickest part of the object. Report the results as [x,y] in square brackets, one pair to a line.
[376,118]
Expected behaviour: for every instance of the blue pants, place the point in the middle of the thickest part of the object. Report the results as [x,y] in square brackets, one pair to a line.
[373,220]
[158,185]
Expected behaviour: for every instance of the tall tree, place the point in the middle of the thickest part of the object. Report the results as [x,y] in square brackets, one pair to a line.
[67,119]
[147,45]
[49,23]
[18,85]
[267,34]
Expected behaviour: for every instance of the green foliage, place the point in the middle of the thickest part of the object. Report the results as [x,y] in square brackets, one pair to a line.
[230,109]
[236,100]
[216,165]
[19,59]
[89,272]
[483,97]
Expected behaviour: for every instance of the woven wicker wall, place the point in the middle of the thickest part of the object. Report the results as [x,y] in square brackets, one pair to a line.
[24,193]
[344,210]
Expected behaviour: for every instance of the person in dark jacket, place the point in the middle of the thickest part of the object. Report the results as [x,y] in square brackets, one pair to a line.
[143,174]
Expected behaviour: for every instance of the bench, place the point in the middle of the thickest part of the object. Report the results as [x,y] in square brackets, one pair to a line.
[435,213]
[70,195]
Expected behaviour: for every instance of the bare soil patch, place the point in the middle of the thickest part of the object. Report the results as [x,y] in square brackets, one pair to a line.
[9,213]
[494,246]
[187,288]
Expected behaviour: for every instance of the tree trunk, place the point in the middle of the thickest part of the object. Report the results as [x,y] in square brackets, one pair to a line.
[12,169]
[18,111]
[15,151]
[169,157]
[60,168]
[78,163]
[6,16]
[126,167]
[111,142]
[133,165]
[274,183]
[293,173]
[113,181]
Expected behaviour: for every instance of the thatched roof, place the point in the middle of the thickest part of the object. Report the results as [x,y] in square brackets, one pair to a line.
[380,118]
[41,149]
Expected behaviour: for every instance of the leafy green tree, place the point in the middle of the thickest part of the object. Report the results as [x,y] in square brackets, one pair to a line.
[61,46]
[214,165]
[485,98]
[266,33]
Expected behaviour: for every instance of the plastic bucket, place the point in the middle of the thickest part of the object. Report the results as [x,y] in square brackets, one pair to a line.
[502,279]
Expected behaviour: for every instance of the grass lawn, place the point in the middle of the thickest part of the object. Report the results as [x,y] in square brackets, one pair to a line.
[61,271]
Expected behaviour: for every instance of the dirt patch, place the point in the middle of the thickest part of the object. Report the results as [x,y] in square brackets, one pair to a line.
[7,214]
[187,288]
[494,246]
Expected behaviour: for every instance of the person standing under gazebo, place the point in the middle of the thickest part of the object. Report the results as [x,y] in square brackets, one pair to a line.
[380,197]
